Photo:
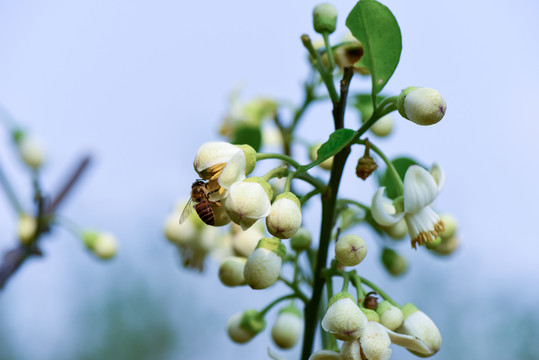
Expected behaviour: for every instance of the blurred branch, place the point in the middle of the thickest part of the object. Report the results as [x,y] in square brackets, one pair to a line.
[14,258]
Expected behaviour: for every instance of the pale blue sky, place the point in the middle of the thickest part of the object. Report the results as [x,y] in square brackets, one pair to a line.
[142,84]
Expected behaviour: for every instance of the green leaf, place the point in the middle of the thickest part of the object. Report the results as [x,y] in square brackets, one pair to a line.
[401,165]
[336,142]
[247,134]
[375,26]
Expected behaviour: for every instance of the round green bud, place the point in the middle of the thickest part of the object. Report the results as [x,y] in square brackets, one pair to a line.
[434,243]
[398,230]
[103,245]
[350,250]
[285,216]
[242,327]
[423,106]
[301,240]
[324,18]
[287,328]
[371,315]
[26,229]
[231,271]
[394,263]
[263,266]
[383,126]
[447,246]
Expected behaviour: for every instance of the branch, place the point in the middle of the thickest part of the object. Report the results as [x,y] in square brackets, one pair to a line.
[14,258]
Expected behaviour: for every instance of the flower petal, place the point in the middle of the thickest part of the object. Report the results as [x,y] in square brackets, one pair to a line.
[438,174]
[383,210]
[412,343]
[234,171]
[324,355]
[420,189]
[212,153]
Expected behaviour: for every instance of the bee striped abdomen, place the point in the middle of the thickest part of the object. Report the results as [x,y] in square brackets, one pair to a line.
[205,213]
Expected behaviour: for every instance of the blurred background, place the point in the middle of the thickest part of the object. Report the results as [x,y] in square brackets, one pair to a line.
[141,85]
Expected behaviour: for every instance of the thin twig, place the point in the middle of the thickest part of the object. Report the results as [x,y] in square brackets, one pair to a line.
[14,258]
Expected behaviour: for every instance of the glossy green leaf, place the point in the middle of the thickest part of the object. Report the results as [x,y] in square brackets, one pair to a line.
[375,26]
[401,165]
[336,142]
[247,134]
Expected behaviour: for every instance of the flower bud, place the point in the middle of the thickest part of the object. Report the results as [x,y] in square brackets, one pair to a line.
[26,229]
[287,328]
[423,106]
[301,240]
[176,233]
[447,246]
[242,327]
[350,250]
[324,18]
[231,271]
[285,216]
[103,245]
[249,201]
[450,225]
[344,319]
[244,242]
[390,316]
[398,230]
[264,264]
[371,315]
[31,149]
[383,126]
[419,325]
[393,262]
[220,215]
[313,154]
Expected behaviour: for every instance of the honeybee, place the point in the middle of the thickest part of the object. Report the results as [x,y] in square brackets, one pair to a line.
[200,196]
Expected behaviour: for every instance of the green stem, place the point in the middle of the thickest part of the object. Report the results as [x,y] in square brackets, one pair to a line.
[379,291]
[392,170]
[275,302]
[327,78]
[319,185]
[13,199]
[329,201]
[329,51]
[285,158]
[356,281]
[353,202]
[346,281]
[309,195]
[309,97]
[297,292]
[279,171]
[288,182]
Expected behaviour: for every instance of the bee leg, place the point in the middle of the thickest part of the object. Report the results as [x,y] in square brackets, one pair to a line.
[216,203]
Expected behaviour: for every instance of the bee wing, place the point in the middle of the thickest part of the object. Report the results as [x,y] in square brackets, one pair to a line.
[187,210]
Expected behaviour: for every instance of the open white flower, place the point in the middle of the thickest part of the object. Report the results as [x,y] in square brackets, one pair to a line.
[420,190]
[224,163]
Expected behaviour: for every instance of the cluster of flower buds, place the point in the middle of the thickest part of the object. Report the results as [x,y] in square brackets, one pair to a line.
[368,334]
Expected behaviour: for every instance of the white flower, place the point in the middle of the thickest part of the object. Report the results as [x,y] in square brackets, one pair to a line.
[344,320]
[420,190]
[418,333]
[225,163]
[249,201]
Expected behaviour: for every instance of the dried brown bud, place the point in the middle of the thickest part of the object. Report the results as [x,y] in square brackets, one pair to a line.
[371,301]
[365,167]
